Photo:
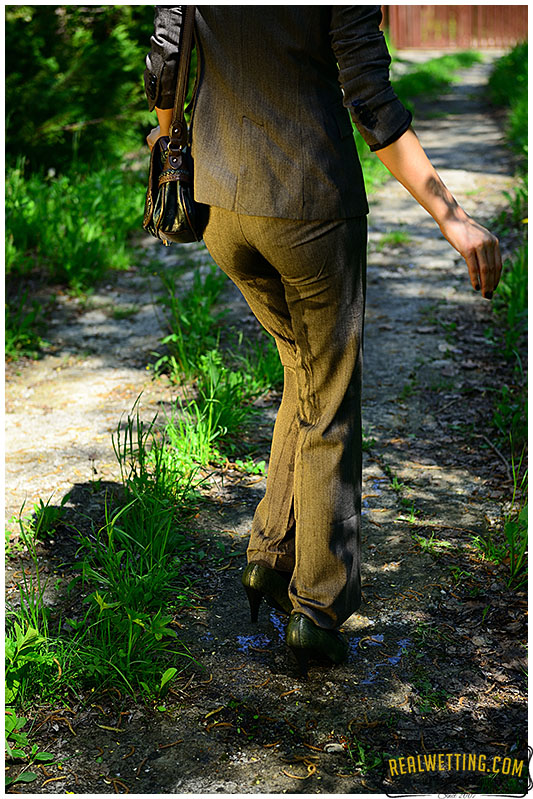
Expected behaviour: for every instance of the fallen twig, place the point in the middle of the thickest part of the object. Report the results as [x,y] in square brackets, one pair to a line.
[498,453]
[122,785]
[139,767]
[261,684]
[174,743]
[54,779]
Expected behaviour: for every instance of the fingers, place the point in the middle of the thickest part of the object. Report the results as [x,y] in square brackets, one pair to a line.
[489,262]
[153,137]
[485,266]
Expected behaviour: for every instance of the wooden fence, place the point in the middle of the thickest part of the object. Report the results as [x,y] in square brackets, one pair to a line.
[455,27]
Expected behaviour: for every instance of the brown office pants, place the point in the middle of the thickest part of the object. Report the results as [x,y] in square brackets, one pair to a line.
[305,282]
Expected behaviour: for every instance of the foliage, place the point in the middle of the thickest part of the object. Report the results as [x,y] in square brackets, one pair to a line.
[18,747]
[510,415]
[191,321]
[204,421]
[27,658]
[128,567]
[74,227]
[508,87]
[200,428]
[510,546]
[132,564]
[260,362]
[22,327]
[511,299]
[76,71]
[142,454]
[430,78]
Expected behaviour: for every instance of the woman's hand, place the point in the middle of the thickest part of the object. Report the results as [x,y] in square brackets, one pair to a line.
[407,161]
[152,137]
[479,248]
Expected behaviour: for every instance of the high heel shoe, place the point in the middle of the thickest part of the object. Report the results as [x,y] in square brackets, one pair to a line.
[261,581]
[306,640]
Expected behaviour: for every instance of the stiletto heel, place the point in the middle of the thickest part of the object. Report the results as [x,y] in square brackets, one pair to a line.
[260,581]
[254,598]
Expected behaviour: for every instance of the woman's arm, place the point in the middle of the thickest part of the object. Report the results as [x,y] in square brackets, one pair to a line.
[407,161]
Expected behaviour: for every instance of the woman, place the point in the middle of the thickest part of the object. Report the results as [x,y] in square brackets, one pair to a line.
[276,164]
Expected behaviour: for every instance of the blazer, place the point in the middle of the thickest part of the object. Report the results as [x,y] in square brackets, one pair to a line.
[271,135]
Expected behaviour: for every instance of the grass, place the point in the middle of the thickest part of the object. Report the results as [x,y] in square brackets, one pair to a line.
[18,747]
[508,87]
[219,384]
[73,228]
[430,78]
[509,545]
[192,323]
[128,568]
[202,428]
[24,323]
[396,238]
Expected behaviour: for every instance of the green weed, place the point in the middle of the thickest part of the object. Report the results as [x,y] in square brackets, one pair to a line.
[27,658]
[508,86]
[19,747]
[363,757]
[510,415]
[396,238]
[259,361]
[428,697]
[249,466]
[396,485]
[368,443]
[414,513]
[432,545]
[147,465]
[510,545]
[75,226]
[432,77]
[45,519]
[192,323]
[22,328]
[459,575]
[518,203]
[33,610]
[510,301]
[410,388]
[201,431]
[129,568]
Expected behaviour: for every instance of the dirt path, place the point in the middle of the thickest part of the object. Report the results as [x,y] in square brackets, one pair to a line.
[436,663]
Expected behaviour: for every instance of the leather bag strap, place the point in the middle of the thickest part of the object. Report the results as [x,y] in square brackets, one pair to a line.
[178,129]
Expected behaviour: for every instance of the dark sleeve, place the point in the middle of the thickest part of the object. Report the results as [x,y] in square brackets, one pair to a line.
[364,61]
[162,60]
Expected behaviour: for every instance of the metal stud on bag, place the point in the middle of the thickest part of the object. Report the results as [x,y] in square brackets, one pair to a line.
[171,213]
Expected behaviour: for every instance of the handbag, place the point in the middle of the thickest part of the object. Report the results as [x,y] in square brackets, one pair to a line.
[170,212]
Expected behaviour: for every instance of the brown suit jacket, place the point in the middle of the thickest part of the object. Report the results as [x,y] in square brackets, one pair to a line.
[271,135]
